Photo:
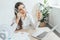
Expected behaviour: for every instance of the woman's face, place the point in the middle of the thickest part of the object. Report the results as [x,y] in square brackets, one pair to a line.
[21,9]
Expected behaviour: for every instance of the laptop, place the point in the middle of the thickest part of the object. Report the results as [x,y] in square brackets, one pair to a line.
[42,33]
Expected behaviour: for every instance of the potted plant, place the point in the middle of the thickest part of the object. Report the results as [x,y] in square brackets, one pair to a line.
[45,13]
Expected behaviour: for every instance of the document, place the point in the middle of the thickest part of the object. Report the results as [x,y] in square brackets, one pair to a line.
[21,36]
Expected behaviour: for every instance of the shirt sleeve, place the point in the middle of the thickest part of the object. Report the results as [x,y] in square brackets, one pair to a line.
[32,20]
[13,24]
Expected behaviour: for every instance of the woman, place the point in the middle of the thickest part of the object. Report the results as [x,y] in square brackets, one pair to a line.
[23,19]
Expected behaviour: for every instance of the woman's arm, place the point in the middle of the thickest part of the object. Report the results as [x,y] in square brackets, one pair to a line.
[13,24]
[32,21]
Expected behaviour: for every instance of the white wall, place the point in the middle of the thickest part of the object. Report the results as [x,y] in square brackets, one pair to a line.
[6,10]
[54,2]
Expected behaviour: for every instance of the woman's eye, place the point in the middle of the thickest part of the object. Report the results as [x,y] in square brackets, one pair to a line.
[20,9]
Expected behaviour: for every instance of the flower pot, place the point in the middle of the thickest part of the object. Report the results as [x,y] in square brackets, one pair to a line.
[42,24]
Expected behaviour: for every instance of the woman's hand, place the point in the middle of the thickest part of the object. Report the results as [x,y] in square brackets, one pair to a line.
[39,15]
[18,17]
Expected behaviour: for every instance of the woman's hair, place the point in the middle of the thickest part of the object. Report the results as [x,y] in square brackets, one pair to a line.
[16,11]
[16,7]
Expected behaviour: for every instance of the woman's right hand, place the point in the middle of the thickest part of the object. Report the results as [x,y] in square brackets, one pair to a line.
[18,15]
[18,18]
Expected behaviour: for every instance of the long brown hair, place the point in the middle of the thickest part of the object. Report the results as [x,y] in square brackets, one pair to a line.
[16,11]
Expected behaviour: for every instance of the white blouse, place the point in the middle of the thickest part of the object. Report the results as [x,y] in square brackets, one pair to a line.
[28,22]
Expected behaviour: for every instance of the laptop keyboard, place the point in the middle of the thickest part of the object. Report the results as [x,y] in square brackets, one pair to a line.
[42,35]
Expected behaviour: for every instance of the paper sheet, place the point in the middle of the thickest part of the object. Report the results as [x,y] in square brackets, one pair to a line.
[21,36]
